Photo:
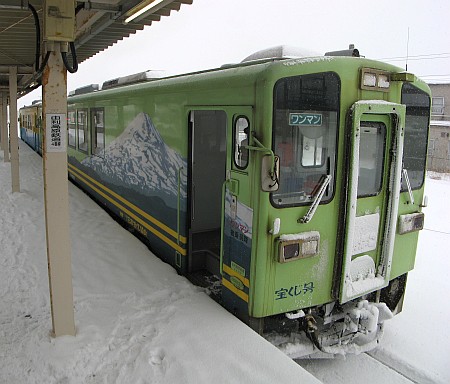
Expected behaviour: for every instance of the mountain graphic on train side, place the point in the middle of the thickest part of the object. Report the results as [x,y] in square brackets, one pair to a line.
[140,159]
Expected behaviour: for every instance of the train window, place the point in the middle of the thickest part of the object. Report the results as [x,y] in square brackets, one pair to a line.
[82,130]
[71,126]
[306,110]
[312,151]
[98,131]
[241,132]
[416,134]
[371,156]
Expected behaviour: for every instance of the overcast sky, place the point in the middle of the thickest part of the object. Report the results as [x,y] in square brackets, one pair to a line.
[210,33]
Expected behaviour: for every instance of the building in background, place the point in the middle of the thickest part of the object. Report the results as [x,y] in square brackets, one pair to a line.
[439,139]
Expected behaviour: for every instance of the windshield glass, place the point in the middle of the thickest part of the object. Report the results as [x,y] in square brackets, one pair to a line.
[304,136]
[416,134]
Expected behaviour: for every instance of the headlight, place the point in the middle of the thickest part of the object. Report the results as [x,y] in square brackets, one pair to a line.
[410,223]
[298,246]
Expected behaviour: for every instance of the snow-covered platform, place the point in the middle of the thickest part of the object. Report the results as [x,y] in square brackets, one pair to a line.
[137,320]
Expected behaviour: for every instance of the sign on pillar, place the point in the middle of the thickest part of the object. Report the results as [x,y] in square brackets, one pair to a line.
[56,132]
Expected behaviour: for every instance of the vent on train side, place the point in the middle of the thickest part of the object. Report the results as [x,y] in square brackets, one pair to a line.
[86,89]
[351,51]
[134,79]
[280,52]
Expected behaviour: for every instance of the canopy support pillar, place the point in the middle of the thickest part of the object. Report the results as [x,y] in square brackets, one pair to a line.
[4,125]
[15,180]
[56,195]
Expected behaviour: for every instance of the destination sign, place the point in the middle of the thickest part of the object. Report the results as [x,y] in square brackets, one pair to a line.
[305,119]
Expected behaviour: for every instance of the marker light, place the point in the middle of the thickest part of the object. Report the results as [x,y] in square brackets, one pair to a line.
[375,80]
[370,79]
[383,81]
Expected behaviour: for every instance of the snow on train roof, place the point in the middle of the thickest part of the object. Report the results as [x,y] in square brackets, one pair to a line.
[135,78]
[281,52]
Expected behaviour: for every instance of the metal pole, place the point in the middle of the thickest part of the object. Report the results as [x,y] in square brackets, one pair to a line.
[4,127]
[1,120]
[54,100]
[15,180]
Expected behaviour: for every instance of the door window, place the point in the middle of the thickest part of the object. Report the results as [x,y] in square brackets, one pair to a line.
[82,130]
[241,135]
[98,131]
[371,155]
[416,134]
[72,125]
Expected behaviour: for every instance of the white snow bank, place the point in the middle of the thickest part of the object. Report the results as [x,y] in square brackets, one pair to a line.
[137,320]
[418,339]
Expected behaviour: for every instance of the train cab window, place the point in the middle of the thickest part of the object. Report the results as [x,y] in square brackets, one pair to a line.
[98,131]
[371,156]
[82,130]
[71,126]
[306,110]
[312,151]
[418,106]
[241,133]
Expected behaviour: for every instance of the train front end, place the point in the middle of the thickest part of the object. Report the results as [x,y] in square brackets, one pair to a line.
[338,209]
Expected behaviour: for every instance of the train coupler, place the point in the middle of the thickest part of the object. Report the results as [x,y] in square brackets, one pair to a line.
[310,323]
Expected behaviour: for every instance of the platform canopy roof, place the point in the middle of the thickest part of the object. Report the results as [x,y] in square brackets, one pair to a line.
[99,24]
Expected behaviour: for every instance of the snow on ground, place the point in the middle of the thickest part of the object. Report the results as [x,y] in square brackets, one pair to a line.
[139,322]
[426,308]
[416,342]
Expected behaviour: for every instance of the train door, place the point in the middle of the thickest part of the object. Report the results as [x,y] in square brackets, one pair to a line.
[208,157]
[237,220]
[220,214]
[373,190]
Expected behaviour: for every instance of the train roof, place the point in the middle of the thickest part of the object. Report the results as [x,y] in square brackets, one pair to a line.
[247,70]
[272,54]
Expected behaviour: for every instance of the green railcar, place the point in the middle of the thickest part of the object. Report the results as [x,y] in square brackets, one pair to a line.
[298,182]
[30,125]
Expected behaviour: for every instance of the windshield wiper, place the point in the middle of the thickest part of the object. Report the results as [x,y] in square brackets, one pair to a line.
[312,209]
[408,185]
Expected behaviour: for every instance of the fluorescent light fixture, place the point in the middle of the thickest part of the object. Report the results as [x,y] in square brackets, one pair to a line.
[141,9]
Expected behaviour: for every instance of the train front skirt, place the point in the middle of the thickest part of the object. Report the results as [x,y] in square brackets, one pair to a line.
[353,328]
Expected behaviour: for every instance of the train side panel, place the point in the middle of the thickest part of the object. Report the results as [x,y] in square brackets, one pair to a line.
[141,167]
